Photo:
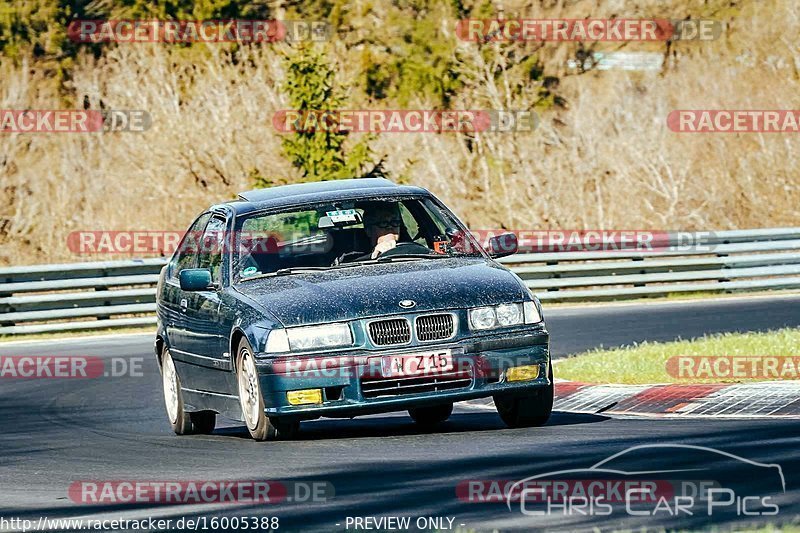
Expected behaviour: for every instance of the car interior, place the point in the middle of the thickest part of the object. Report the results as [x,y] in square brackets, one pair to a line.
[330,246]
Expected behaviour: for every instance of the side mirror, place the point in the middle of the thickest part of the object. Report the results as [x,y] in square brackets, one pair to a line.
[195,279]
[503,245]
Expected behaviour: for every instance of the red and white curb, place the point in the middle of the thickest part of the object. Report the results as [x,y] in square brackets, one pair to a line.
[756,399]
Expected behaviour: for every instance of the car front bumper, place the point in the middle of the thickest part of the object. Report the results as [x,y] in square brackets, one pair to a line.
[351,383]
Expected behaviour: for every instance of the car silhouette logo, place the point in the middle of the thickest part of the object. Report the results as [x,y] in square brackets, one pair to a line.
[407,304]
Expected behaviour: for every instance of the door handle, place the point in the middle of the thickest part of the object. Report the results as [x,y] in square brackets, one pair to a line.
[184,304]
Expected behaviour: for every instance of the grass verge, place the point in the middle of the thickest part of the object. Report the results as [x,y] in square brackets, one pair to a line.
[647,362]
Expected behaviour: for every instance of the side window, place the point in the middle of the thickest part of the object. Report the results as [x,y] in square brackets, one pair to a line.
[211,247]
[186,256]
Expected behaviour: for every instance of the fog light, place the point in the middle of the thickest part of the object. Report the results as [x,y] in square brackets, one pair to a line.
[522,373]
[301,397]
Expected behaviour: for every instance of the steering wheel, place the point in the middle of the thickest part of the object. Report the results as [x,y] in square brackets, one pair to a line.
[403,248]
[348,257]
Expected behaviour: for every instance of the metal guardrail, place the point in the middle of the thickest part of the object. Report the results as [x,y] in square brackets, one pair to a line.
[114,294]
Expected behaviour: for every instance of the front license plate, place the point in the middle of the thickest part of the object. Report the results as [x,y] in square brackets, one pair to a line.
[417,364]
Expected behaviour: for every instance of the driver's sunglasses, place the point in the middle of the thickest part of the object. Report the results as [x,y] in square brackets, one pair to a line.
[386,224]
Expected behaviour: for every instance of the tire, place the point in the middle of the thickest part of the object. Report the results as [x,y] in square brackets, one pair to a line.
[173,396]
[429,417]
[260,426]
[203,422]
[532,410]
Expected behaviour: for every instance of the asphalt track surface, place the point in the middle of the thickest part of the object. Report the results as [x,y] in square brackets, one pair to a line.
[58,431]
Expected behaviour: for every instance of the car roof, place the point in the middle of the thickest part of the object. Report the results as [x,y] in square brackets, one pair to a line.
[320,191]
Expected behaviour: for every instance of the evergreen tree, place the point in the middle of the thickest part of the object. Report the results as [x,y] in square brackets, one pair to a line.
[320,154]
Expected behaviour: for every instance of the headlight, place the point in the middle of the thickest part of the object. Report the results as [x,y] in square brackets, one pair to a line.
[509,314]
[315,337]
[482,318]
[277,342]
[503,316]
[532,315]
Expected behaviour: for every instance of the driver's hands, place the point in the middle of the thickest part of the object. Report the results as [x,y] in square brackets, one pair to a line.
[385,243]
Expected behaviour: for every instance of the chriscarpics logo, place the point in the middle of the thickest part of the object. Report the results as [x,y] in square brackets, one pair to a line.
[659,483]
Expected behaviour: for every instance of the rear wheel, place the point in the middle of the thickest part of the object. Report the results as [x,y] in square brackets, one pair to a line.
[531,410]
[173,396]
[428,417]
[260,426]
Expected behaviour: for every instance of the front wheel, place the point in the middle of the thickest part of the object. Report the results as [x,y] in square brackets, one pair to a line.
[531,410]
[260,426]
[173,396]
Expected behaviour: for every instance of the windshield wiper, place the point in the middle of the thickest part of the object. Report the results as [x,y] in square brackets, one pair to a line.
[298,270]
[389,258]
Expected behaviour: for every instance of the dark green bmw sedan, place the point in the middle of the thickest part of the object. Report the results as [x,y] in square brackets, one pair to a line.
[344,298]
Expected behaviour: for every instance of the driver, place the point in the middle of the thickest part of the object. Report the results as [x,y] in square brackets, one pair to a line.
[382,226]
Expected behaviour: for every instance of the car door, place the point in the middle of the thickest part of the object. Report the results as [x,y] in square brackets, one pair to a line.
[174,300]
[206,330]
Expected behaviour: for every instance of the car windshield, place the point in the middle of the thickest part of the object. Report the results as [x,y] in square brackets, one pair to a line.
[343,234]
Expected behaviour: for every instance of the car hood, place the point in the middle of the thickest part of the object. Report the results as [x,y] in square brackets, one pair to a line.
[376,290]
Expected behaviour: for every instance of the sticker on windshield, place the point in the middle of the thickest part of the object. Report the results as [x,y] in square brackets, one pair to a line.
[343,215]
[441,247]
[250,271]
